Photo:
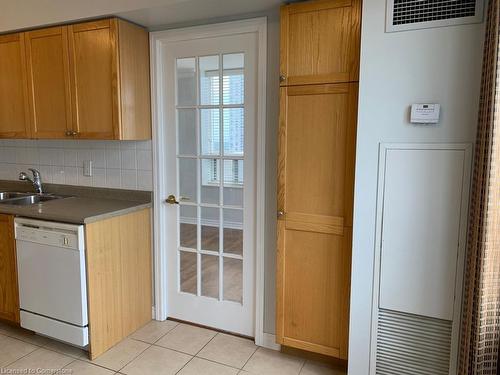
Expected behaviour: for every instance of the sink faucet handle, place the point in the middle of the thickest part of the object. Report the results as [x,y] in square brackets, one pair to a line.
[23,176]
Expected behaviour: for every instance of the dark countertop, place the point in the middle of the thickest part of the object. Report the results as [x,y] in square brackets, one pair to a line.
[86,205]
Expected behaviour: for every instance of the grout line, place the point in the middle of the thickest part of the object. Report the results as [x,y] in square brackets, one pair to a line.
[24,356]
[248,360]
[133,359]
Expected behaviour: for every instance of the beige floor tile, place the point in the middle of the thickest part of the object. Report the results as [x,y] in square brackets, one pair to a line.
[66,349]
[314,368]
[42,359]
[229,350]
[12,349]
[157,360]
[85,368]
[271,362]
[199,366]
[121,354]
[27,336]
[154,330]
[186,338]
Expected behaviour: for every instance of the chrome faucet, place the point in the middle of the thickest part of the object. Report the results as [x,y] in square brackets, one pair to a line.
[36,181]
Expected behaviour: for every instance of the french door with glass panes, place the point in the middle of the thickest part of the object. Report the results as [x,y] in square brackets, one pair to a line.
[210,159]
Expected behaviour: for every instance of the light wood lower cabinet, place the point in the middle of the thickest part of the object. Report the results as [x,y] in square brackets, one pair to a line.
[119,277]
[9,295]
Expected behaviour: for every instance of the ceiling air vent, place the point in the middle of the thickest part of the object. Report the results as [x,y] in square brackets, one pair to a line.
[420,14]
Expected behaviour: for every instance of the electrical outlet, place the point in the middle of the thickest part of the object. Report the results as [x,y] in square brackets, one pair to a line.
[87,168]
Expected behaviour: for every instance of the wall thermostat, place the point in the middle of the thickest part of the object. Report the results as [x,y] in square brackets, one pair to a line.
[424,113]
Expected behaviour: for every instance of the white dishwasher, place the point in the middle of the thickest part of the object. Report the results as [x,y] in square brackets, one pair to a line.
[52,279]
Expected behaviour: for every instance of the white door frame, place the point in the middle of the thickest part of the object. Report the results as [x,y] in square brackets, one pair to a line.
[157,41]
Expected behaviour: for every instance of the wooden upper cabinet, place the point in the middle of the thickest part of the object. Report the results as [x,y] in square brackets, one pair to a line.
[9,291]
[320,42]
[88,80]
[93,62]
[109,63]
[48,82]
[14,116]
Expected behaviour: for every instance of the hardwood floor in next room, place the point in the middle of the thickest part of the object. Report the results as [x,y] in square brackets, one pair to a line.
[233,271]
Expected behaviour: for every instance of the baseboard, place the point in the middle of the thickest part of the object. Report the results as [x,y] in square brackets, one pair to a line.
[269,342]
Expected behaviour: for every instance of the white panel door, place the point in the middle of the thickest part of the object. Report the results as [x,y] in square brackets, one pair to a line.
[210,159]
[421,226]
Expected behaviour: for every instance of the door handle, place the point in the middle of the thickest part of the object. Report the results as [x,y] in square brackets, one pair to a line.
[171,199]
[280,214]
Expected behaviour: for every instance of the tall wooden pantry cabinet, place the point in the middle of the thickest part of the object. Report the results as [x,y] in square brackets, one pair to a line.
[320,42]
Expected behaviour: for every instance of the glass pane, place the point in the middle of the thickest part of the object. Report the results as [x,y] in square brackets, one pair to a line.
[209,80]
[233,196]
[234,131]
[210,131]
[210,181]
[188,272]
[210,224]
[187,179]
[210,276]
[233,231]
[233,86]
[187,131]
[186,81]
[188,224]
[233,172]
[233,280]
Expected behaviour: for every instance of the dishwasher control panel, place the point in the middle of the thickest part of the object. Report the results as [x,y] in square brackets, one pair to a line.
[52,234]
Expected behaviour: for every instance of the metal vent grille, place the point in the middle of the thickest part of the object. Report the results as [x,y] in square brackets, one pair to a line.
[416,14]
[412,345]
[411,11]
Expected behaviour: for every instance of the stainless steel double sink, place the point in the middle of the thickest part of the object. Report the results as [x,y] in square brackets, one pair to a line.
[26,199]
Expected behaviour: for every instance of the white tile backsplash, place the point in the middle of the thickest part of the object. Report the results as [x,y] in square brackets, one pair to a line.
[116,164]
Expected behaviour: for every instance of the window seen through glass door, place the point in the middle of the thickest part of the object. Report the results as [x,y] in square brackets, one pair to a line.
[210,156]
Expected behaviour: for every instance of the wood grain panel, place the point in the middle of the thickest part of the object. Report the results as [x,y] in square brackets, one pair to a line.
[136,277]
[320,42]
[135,91]
[119,278]
[49,82]
[9,290]
[93,62]
[317,130]
[316,158]
[14,110]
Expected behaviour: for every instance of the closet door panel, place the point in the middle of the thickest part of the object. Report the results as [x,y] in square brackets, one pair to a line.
[320,42]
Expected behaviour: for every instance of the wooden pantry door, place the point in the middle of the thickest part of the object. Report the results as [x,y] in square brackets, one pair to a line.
[315,197]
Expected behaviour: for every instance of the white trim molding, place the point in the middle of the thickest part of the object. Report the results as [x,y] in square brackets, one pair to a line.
[157,40]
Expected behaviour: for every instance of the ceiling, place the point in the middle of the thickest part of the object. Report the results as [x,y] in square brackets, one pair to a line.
[153,14]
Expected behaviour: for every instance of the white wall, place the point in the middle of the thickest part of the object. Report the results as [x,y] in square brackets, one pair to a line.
[121,165]
[441,65]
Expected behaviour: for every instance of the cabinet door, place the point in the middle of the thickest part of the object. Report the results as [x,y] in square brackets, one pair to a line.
[14,115]
[48,82]
[320,42]
[315,198]
[94,79]
[9,293]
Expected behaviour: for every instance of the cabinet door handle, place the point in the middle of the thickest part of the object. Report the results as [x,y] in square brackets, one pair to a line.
[69,133]
[282,78]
